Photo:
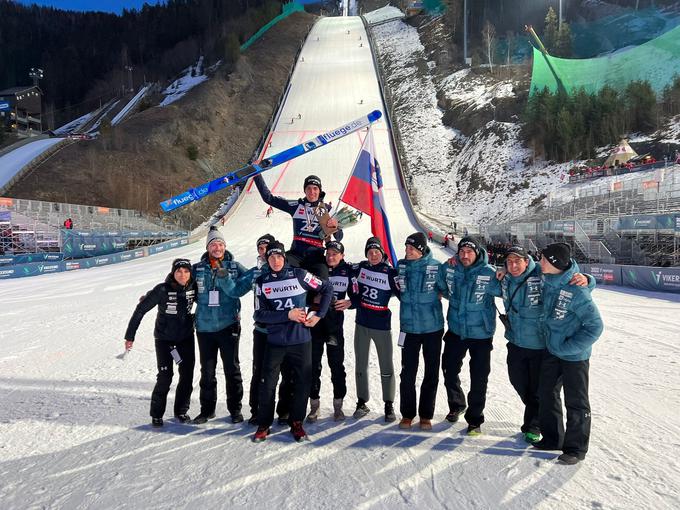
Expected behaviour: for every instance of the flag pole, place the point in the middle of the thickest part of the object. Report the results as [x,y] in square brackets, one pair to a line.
[334,209]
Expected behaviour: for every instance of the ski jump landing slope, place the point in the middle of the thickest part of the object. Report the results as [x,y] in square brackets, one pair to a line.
[74,428]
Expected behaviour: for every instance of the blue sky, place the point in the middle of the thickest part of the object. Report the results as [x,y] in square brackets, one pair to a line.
[91,5]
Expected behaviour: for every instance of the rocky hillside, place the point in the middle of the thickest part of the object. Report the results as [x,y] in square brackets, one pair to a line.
[147,158]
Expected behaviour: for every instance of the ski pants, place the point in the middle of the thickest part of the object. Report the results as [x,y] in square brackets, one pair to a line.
[524,369]
[410,354]
[164,362]
[299,360]
[572,378]
[383,346]
[314,262]
[285,387]
[224,342]
[455,349]
[335,348]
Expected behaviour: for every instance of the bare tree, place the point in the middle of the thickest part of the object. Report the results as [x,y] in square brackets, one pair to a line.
[489,38]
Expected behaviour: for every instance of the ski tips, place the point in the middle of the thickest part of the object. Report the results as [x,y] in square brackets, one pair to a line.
[374,115]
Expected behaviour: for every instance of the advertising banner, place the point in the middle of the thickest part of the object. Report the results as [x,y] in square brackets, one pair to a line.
[32,269]
[660,279]
[604,274]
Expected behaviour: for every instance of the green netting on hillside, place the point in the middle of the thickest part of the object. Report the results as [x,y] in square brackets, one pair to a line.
[288,9]
[656,61]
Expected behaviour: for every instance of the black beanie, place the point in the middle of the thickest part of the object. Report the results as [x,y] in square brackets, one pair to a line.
[335,245]
[179,263]
[313,180]
[276,248]
[418,241]
[373,242]
[470,242]
[265,239]
[559,255]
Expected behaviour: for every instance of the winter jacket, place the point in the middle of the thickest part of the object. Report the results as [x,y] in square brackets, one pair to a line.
[307,232]
[572,322]
[281,291]
[526,310]
[420,285]
[174,321]
[231,280]
[471,290]
[375,285]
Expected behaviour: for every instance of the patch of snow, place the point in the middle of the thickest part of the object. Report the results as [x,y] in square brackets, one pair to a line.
[74,124]
[382,15]
[184,83]
[474,91]
[131,104]
[13,162]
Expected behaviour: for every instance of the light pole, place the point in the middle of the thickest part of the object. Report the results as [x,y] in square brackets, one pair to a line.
[36,74]
[465,48]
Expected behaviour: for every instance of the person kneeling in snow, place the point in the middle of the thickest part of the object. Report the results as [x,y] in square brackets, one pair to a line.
[174,338]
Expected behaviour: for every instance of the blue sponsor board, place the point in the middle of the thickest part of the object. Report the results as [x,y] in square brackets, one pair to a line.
[32,269]
[604,274]
[28,258]
[648,222]
[659,279]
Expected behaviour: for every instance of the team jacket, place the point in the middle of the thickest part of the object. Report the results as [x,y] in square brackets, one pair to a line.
[471,290]
[572,322]
[279,292]
[231,280]
[306,228]
[420,284]
[340,278]
[375,286]
[261,268]
[174,321]
[526,310]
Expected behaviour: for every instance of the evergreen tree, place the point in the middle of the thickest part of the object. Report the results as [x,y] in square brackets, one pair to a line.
[641,107]
[563,42]
[550,30]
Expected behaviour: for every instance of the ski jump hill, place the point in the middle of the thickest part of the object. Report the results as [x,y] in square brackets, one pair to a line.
[75,429]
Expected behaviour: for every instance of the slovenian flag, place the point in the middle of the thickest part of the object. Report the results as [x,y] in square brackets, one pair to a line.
[363,191]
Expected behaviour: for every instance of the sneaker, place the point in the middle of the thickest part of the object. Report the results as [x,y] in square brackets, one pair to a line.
[569,458]
[261,434]
[389,413]
[182,418]
[313,410]
[532,437]
[202,418]
[298,432]
[543,445]
[338,413]
[474,430]
[405,423]
[283,419]
[361,410]
[425,424]
[252,420]
[237,418]
[156,422]
[454,415]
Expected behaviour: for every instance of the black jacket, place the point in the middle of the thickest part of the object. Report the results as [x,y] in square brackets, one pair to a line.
[174,322]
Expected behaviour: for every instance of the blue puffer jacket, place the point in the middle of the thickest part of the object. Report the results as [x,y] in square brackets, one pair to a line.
[231,280]
[572,321]
[526,309]
[420,284]
[471,291]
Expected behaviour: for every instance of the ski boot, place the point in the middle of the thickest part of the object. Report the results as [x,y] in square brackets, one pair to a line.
[313,410]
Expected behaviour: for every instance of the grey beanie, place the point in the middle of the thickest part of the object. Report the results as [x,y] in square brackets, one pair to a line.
[214,235]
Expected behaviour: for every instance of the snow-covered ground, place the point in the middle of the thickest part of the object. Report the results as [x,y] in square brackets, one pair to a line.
[74,124]
[184,83]
[131,104]
[386,13]
[14,161]
[74,432]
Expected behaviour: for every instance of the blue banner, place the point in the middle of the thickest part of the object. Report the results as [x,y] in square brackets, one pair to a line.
[604,274]
[659,279]
[648,222]
[28,258]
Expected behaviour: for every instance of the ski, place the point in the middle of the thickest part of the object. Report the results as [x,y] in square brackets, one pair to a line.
[252,169]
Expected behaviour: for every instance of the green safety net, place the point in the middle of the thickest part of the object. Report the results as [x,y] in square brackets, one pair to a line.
[657,61]
[287,10]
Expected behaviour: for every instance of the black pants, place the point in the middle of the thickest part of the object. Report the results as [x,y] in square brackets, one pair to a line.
[524,369]
[455,349]
[299,360]
[410,354]
[164,362]
[330,335]
[225,342]
[314,262]
[572,376]
[285,388]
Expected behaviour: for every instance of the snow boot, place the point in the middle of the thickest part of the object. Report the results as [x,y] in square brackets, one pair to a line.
[298,432]
[425,424]
[182,418]
[338,414]
[156,422]
[202,418]
[261,434]
[237,418]
[453,415]
[531,437]
[405,423]
[361,410]
[474,430]
[313,410]
[569,459]
[389,413]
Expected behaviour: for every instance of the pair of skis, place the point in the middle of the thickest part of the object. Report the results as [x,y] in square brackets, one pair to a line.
[253,169]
